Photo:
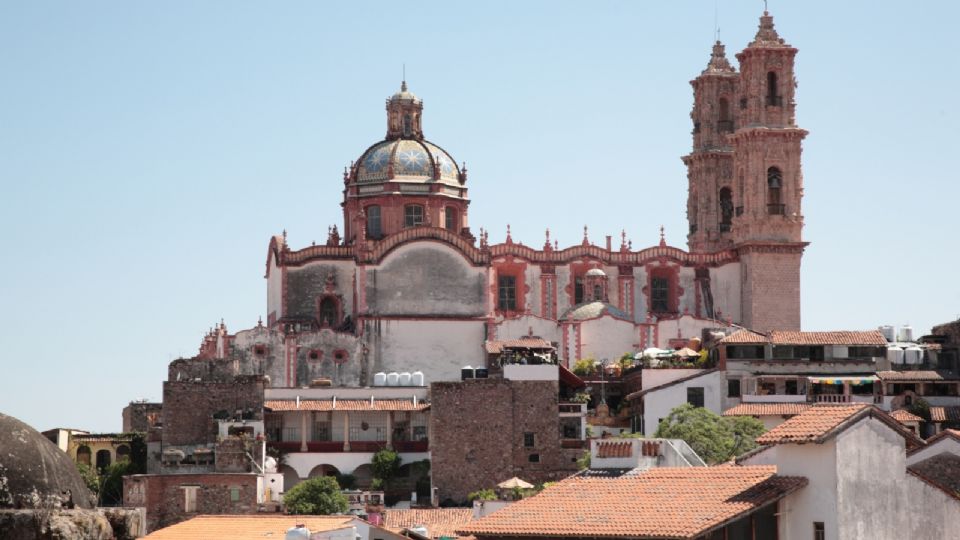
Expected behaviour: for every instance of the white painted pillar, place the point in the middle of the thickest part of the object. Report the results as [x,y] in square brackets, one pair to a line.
[346,431]
[303,431]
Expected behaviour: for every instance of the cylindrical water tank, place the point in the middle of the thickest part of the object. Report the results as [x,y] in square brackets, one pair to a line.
[297,533]
[416,378]
[393,378]
[889,333]
[380,379]
[895,355]
[913,355]
[480,373]
[404,378]
[466,372]
[906,334]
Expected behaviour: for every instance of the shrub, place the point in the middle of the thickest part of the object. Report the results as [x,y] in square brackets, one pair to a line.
[316,496]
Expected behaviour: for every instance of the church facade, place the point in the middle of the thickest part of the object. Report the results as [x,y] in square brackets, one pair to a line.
[405,285]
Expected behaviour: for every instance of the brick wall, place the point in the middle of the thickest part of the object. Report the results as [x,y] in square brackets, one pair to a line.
[140,417]
[771,291]
[163,496]
[477,432]
[189,407]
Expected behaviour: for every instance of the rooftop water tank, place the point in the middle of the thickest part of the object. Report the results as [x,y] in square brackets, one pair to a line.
[466,372]
[297,533]
[405,378]
[913,355]
[889,333]
[380,379]
[416,378]
[895,355]
[393,378]
[906,334]
[481,373]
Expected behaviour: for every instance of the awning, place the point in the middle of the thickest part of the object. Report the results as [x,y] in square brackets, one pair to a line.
[861,379]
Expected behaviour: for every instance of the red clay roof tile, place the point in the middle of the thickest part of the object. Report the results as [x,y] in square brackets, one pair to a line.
[766,409]
[438,521]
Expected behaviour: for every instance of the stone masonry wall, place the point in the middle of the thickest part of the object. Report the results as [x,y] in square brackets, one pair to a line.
[771,291]
[477,435]
[164,497]
[189,407]
[141,416]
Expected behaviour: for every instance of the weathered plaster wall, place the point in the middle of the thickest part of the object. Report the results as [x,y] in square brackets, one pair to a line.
[725,288]
[946,445]
[426,278]
[658,403]
[607,338]
[437,347]
[655,377]
[274,290]
[307,283]
[519,327]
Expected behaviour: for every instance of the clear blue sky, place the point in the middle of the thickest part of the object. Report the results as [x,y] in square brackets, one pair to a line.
[148,151]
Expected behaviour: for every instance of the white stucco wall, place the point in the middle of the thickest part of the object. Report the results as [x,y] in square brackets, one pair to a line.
[658,403]
[438,348]
[947,445]
[345,462]
[657,377]
[815,502]
[688,326]
[688,301]
[878,499]
[607,338]
[725,288]
[274,291]
[520,327]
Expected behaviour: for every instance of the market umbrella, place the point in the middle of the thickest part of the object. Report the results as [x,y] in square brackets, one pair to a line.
[514,483]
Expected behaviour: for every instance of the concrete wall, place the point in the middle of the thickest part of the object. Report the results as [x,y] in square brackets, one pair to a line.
[437,347]
[657,404]
[426,278]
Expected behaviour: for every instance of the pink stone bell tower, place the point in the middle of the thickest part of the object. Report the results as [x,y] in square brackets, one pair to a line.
[745,179]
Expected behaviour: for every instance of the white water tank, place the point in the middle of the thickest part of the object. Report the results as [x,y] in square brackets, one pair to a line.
[404,378]
[393,378]
[297,533]
[906,334]
[913,355]
[889,333]
[416,378]
[895,355]
[380,379]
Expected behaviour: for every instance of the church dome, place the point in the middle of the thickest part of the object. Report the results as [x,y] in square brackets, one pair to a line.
[408,160]
[592,310]
[34,472]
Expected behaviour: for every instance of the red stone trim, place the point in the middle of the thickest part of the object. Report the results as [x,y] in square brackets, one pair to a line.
[548,309]
[508,266]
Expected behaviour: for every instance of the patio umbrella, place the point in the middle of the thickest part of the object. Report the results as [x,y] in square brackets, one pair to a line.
[514,483]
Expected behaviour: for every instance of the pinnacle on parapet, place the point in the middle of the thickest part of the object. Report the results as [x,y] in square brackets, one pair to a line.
[718,60]
[766,34]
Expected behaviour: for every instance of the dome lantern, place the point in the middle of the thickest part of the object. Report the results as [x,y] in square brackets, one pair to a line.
[404,110]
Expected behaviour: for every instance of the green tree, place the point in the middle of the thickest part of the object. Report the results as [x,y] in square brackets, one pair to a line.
[385,465]
[585,366]
[482,495]
[714,438]
[583,462]
[111,483]
[316,496]
[90,478]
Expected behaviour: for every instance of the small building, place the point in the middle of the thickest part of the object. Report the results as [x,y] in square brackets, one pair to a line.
[770,414]
[630,456]
[698,387]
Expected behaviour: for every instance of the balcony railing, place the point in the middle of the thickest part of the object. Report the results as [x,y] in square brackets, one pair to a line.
[355,446]
[575,408]
[776,209]
[831,398]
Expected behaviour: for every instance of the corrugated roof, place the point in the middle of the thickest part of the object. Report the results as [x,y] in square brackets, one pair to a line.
[346,405]
[661,503]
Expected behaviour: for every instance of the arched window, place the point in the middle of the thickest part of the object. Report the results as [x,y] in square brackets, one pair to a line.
[726,209]
[328,312]
[773,99]
[83,455]
[374,228]
[103,459]
[407,125]
[724,123]
[450,219]
[774,185]
[412,215]
[123,453]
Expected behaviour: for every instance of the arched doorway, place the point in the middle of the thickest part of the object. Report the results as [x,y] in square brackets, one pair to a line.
[123,453]
[290,477]
[323,470]
[103,459]
[83,455]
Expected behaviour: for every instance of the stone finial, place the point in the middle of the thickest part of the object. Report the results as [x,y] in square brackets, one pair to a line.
[586,240]
[509,236]
[284,237]
[718,60]
[260,322]
[546,243]
[663,237]
[346,174]
[623,239]
[463,173]
[556,245]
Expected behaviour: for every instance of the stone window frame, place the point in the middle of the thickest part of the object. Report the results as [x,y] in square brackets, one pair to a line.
[450,218]
[413,215]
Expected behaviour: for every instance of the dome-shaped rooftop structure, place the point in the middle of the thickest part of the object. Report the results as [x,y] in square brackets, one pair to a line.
[34,472]
[593,310]
[407,160]
[596,272]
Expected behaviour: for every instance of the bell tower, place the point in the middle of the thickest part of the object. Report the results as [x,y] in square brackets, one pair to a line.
[766,228]
[710,202]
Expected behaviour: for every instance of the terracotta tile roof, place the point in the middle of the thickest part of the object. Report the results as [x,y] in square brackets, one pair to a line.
[254,527]
[825,420]
[868,337]
[744,336]
[496,347]
[903,415]
[942,471]
[614,449]
[346,405]
[945,414]
[766,409]
[668,502]
[916,375]
[438,521]
[697,373]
